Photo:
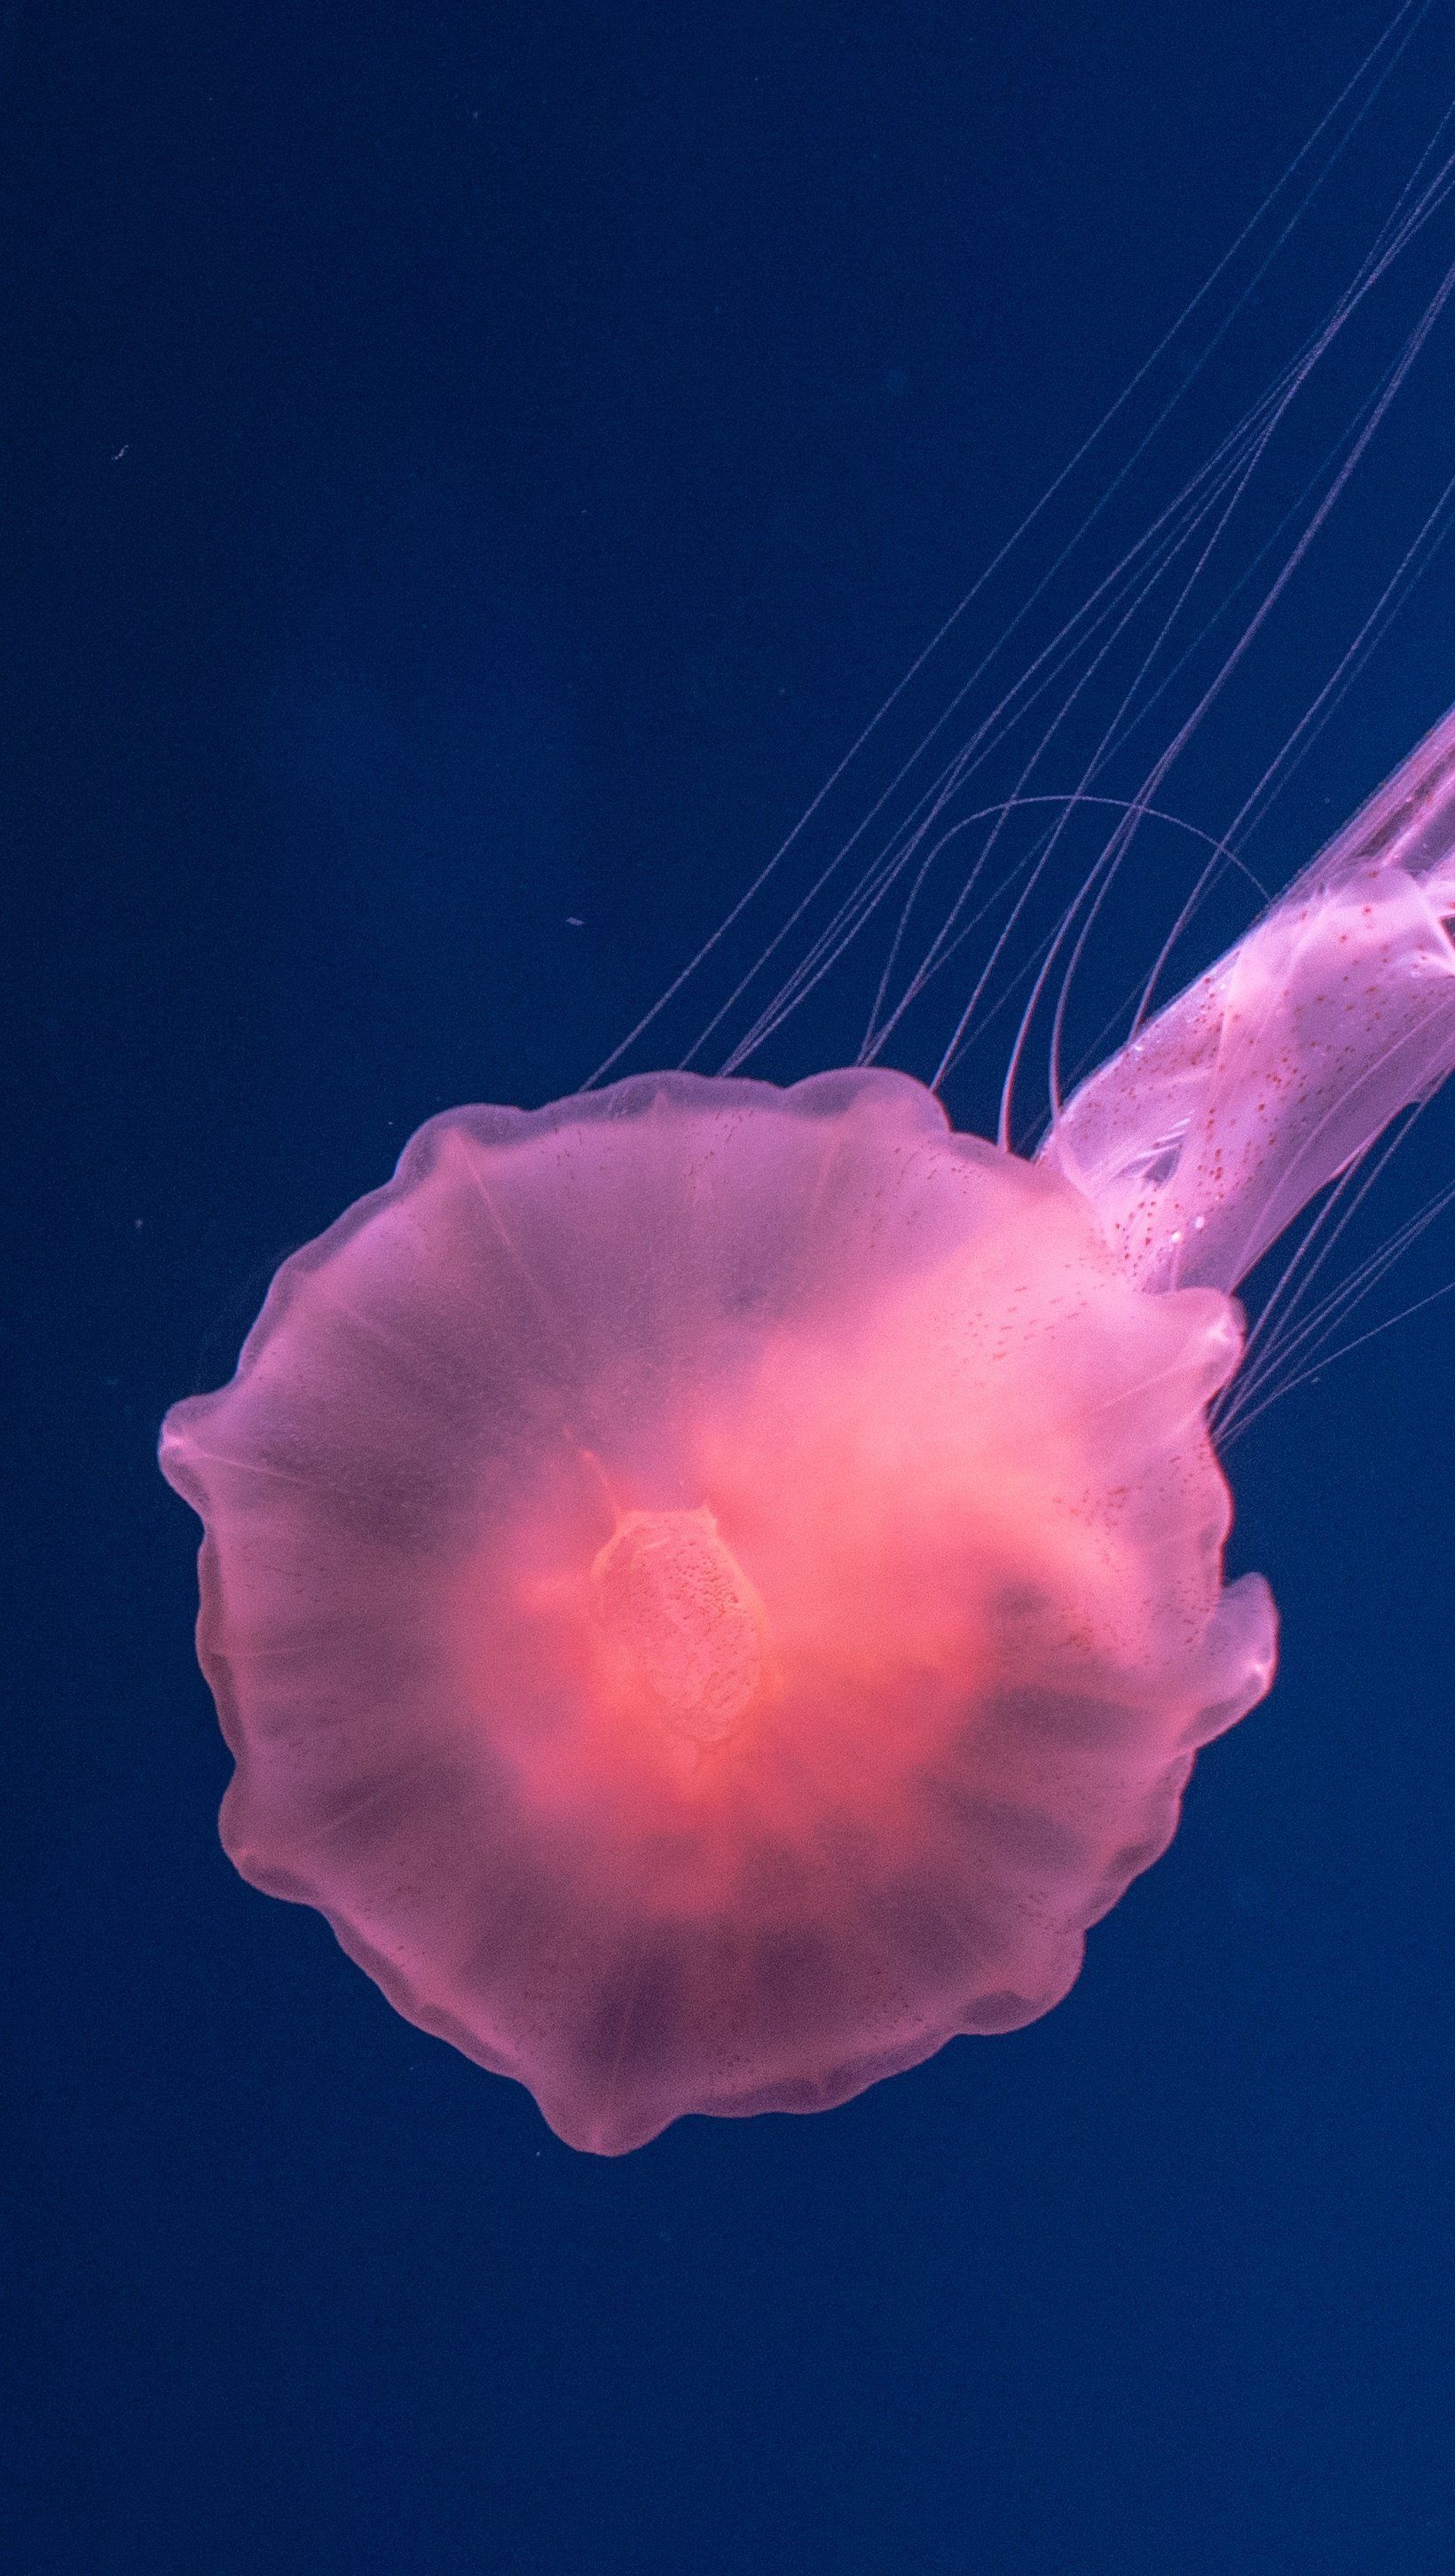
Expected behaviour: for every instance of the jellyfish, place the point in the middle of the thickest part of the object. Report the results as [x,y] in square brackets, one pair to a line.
[713,1589]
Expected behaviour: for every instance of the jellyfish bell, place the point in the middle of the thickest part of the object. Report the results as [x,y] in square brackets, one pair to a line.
[713,1589]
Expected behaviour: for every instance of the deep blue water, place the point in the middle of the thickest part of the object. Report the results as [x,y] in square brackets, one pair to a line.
[467,472]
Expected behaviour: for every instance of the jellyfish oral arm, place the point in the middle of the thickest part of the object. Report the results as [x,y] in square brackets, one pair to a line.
[1223,1116]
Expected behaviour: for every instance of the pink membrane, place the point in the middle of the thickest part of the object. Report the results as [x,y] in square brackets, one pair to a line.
[712,1589]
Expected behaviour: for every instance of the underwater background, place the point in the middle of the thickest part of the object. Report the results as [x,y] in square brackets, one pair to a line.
[467,474]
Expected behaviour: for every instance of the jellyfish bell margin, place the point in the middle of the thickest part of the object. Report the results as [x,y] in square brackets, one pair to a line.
[712,1590]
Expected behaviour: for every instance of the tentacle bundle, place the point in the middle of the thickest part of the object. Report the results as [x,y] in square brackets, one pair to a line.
[712,1589]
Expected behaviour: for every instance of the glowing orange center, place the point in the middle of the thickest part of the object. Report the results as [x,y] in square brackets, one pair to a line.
[681,1620]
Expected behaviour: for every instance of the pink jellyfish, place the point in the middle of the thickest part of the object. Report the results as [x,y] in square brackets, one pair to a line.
[712,1589]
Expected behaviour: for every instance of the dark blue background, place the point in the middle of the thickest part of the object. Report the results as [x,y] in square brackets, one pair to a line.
[466,467]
